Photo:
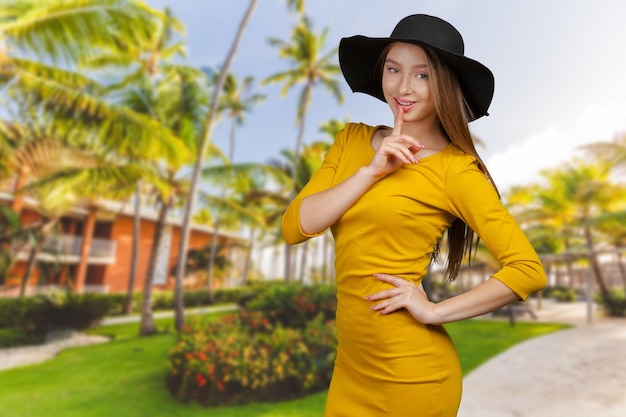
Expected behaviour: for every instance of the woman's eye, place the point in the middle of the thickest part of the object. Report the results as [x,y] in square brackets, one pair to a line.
[392,70]
[422,76]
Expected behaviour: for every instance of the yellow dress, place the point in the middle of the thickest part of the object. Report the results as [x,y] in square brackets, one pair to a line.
[392,365]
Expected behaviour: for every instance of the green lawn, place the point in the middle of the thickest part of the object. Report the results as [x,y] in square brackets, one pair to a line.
[125,377]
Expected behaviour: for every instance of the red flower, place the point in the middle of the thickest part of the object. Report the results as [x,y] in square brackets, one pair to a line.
[202,356]
[201,380]
[220,385]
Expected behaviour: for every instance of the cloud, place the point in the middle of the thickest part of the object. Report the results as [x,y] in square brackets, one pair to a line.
[521,163]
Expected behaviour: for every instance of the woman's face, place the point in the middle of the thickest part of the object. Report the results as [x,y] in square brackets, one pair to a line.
[406,83]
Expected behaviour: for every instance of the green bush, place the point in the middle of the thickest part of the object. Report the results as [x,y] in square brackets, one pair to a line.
[27,320]
[11,337]
[16,312]
[617,306]
[293,305]
[560,293]
[70,310]
[244,358]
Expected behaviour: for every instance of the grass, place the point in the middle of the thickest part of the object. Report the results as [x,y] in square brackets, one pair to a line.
[125,377]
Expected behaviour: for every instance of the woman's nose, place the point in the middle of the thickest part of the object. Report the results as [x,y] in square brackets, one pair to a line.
[405,84]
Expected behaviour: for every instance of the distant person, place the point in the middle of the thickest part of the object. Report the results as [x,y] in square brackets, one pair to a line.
[389,194]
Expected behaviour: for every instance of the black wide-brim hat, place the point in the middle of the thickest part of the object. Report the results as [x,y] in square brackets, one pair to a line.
[359,57]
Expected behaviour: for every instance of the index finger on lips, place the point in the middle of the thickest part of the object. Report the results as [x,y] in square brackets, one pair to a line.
[397,125]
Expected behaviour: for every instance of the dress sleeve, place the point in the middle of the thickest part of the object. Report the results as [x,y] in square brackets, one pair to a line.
[321,180]
[473,199]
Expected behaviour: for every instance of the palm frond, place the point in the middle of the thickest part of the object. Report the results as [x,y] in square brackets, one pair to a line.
[116,128]
[73,29]
[58,75]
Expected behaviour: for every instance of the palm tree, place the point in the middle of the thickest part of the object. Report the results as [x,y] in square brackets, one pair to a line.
[235,102]
[580,193]
[310,160]
[310,67]
[68,31]
[139,92]
[296,6]
[43,42]
[612,226]
[76,102]
[203,145]
[177,101]
[243,206]
[614,152]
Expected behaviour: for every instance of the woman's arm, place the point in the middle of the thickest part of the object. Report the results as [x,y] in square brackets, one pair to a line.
[485,298]
[321,210]
[474,200]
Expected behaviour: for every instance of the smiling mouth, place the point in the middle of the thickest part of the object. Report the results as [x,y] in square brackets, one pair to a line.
[404,104]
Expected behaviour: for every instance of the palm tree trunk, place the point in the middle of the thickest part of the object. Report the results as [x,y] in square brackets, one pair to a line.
[294,172]
[288,262]
[303,260]
[569,265]
[209,273]
[324,258]
[202,149]
[606,295]
[30,267]
[46,227]
[248,261]
[147,320]
[134,260]
[231,155]
[622,269]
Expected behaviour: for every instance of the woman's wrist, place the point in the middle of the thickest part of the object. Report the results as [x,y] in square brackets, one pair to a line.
[369,174]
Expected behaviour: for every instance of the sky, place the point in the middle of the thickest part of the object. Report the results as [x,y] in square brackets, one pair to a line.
[559,70]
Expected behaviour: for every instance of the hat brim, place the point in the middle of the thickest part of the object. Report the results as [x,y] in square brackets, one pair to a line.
[359,58]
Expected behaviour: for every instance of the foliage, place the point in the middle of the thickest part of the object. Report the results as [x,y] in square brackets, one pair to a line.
[293,305]
[560,293]
[246,358]
[11,337]
[617,306]
[129,369]
[28,320]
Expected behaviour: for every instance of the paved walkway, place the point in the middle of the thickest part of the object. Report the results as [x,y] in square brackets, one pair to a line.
[20,356]
[579,372]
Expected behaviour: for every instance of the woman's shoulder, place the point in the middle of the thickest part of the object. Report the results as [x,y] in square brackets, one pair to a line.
[356,133]
[457,161]
[361,129]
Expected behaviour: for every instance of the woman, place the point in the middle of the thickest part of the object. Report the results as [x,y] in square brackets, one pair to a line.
[389,195]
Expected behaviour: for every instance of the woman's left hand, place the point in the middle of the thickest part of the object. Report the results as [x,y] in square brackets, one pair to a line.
[405,294]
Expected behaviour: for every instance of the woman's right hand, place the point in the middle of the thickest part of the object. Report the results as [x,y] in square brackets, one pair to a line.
[394,150]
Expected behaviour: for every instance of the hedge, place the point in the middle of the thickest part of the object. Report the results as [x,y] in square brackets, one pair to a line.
[280,345]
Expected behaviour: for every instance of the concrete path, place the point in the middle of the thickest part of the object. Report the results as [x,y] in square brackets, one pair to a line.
[579,372]
[26,355]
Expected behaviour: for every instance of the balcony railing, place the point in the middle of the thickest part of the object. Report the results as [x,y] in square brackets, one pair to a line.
[66,249]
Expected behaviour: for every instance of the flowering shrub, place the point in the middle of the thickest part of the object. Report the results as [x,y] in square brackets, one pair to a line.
[294,305]
[244,357]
